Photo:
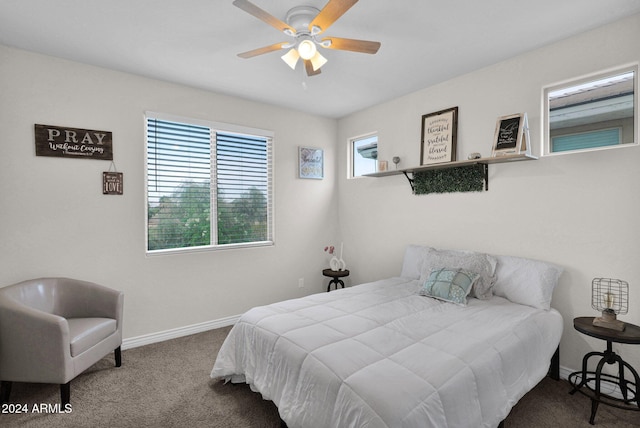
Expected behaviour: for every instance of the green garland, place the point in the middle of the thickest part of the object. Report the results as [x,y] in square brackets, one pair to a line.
[468,178]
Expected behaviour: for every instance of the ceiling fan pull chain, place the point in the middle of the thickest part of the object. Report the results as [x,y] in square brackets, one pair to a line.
[304,79]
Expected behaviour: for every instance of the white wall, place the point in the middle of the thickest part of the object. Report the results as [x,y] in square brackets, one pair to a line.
[579,211]
[575,210]
[56,222]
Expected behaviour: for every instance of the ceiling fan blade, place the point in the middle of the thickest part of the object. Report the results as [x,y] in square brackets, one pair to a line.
[309,67]
[363,46]
[263,15]
[333,10]
[263,50]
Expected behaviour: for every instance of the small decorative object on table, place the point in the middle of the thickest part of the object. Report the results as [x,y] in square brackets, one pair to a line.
[611,296]
[396,160]
[335,263]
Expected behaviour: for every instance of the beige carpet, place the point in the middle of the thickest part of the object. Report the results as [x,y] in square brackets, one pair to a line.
[167,385]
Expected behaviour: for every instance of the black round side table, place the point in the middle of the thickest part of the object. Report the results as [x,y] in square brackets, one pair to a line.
[590,382]
[335,276]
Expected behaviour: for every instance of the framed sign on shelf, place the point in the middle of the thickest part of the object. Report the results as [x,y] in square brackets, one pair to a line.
[511,136]
[439,135]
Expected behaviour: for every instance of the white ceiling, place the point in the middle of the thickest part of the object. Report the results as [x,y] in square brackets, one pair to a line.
[196,42]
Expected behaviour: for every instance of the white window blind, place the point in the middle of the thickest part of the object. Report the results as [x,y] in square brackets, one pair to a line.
[243,179]
[185,210]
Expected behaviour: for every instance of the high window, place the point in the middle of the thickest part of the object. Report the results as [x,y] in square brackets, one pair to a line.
[209,185]
[364,155]
[592,113]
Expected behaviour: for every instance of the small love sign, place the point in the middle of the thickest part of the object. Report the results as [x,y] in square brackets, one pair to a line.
[112,183]
[59,141]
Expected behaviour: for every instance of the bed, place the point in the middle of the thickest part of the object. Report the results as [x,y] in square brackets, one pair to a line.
[424,349]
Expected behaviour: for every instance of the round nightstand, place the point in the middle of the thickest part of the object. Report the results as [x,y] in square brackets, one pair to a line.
[589,383]
[335,276]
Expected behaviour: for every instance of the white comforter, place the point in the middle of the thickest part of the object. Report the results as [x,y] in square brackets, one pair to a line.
[380,355]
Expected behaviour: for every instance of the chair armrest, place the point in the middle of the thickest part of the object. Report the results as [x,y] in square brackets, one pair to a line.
[32,342]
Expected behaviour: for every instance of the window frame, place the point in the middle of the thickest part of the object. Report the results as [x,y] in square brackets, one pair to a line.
[214,127]
[547,140]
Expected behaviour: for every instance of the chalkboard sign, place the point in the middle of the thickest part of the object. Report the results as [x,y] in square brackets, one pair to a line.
[66,142]
[510,136]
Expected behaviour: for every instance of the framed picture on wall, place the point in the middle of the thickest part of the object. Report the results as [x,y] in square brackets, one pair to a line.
[310,163]
[511,136]
[439,135]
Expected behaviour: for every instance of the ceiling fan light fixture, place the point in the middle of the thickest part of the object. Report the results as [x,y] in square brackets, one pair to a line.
[318,61]
[291,58]
[307,49]
[305,24]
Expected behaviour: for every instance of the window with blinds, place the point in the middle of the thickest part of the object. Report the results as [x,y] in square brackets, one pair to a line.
[207,186]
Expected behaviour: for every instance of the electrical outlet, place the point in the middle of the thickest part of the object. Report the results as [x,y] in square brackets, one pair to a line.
[301,283]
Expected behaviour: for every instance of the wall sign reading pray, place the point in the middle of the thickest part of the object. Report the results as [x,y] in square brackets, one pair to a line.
[59,141]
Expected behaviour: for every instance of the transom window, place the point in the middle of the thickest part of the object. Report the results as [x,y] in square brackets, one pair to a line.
[592,113]
[364,155]
[209,185]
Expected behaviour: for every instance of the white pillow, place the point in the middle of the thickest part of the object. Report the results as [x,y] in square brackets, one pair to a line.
[482,264]
[526,281]
[413,260]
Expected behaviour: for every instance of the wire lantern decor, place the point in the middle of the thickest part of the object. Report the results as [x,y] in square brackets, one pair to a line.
[611,297]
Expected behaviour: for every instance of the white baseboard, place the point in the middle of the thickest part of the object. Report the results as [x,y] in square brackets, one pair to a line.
[161,336]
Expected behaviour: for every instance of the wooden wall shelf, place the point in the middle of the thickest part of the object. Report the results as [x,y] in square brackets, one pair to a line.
[456,164]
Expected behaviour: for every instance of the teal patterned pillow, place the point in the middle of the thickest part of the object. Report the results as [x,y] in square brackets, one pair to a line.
[451,285]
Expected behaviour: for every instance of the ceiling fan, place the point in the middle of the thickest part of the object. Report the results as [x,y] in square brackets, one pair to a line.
[305,24]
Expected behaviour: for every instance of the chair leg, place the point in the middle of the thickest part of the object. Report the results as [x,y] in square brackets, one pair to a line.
[5,391]
[65,393]
[118,353]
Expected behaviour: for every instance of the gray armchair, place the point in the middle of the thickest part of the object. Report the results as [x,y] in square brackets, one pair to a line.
[53,329]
